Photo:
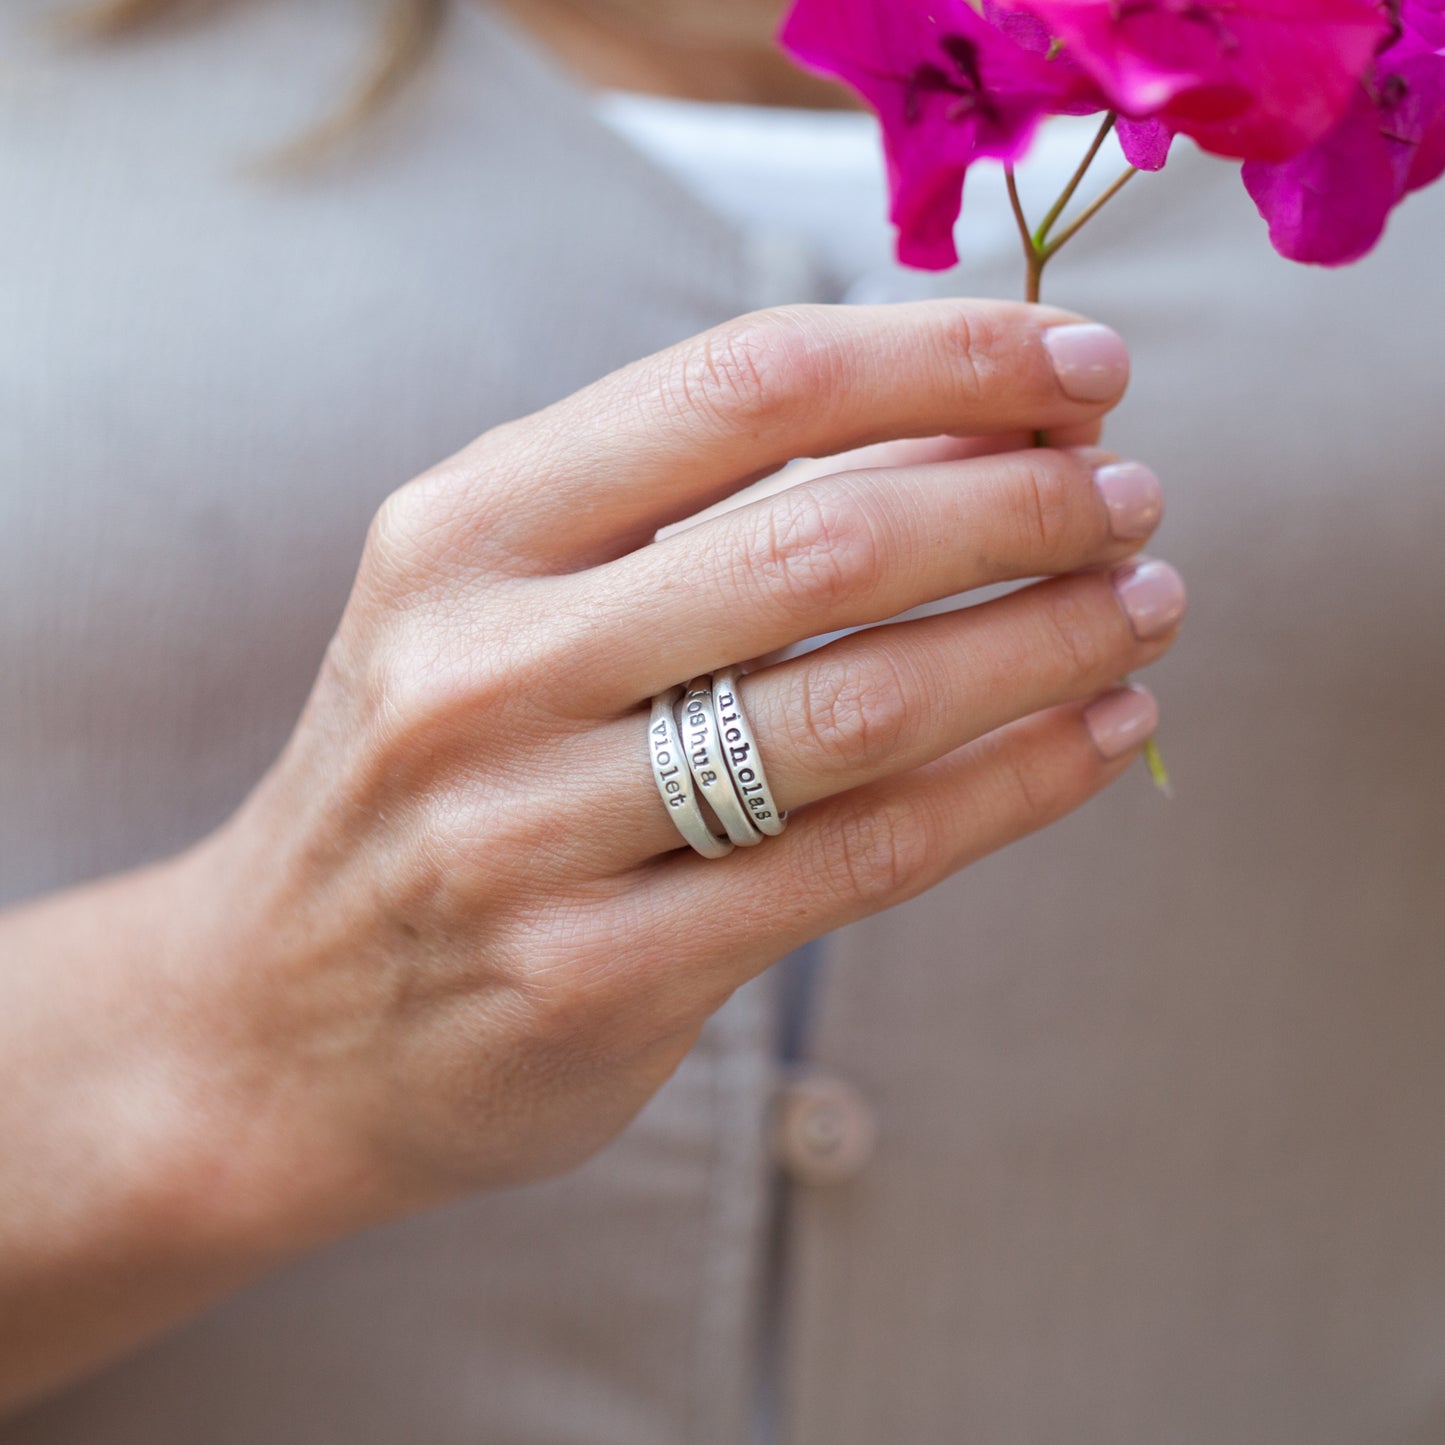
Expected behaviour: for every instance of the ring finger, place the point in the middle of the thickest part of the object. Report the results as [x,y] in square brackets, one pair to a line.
[890,699]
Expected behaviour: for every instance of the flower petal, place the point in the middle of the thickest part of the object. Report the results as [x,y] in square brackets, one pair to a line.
[1145,143]
[1329,206]
[949,88]
[1254,79]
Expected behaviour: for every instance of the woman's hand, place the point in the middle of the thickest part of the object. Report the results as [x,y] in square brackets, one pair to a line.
[453,939]
[467,943]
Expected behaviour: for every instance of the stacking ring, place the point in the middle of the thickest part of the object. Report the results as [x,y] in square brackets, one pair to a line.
[744,761]
[674,779]
[702,738]
[711,754]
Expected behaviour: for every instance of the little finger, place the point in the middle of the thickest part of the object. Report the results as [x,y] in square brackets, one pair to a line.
[876,847]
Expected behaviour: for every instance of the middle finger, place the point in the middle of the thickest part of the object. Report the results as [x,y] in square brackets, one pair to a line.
[840,552]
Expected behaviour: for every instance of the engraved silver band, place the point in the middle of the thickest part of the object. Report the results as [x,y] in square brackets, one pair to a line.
[701,738]
[674,779]
[740,749]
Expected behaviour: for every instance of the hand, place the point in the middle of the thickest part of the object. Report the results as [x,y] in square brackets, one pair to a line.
[460,942]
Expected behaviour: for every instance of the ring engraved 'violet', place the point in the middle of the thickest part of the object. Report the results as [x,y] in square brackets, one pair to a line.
[701,736]
[740,749]
[674,779]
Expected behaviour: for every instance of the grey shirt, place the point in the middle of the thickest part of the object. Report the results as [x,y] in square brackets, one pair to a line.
[1157,1091]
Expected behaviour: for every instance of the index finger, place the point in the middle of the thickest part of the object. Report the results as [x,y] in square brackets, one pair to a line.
[595,476]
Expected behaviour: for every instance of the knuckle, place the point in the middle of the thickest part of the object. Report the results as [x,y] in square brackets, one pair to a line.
[972,337]
[415,517]
[450,519]
[855,717]
[752,371]
[1040,783]
[877,856]
[1088,649]
[1043,776]
[813,551]
[1047,504]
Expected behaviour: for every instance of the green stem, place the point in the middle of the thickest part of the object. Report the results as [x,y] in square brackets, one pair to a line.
[1034,257]
[1154,761]
[1038,252]
[1040,238]
[1088,214]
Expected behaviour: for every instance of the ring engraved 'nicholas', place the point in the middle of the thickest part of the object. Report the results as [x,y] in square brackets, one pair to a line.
[674,779]
[740,749]
[702,739]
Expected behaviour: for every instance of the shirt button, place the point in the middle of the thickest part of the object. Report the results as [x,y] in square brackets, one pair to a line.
[825,1132]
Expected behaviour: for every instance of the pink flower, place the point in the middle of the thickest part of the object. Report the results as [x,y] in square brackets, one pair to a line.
[1254,79]
[1330,205]
[1145,143]
[949,88]
[1336,106]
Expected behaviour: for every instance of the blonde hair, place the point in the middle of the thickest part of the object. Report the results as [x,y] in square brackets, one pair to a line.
[409,30]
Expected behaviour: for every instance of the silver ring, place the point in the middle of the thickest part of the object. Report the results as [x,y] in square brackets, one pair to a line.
[674,779]
[740,748]
[701,737]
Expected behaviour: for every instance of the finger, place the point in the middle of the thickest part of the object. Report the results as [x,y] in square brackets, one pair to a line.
[843,552]
[597,474]
[871,849]
[887,700]
[910,453]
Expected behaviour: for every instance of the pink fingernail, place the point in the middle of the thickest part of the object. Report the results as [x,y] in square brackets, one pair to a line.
[1121,721]
[1134,498]
[1153,596]
[1090,361]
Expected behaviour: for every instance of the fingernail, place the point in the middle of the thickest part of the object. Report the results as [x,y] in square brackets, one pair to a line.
[1134,498]
[1120,721]
[1091,361]
[1153,595]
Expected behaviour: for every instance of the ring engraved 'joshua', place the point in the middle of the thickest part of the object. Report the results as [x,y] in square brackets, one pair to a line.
[702,739]
[740,749]
[674,779]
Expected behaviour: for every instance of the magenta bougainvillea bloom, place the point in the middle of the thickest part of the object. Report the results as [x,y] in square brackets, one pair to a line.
[949,88]
[1251,79]
[1145,143]
[1330,205]
[1337,107]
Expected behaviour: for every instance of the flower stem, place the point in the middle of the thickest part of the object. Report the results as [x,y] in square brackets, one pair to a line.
[1154,761]
[1039,250]
[1040,237]
[1088,214]
[1034,256]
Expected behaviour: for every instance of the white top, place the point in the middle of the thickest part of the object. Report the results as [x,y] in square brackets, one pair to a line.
[816,179]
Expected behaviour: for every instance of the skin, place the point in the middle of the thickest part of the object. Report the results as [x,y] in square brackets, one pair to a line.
[692,49]
[437,950]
